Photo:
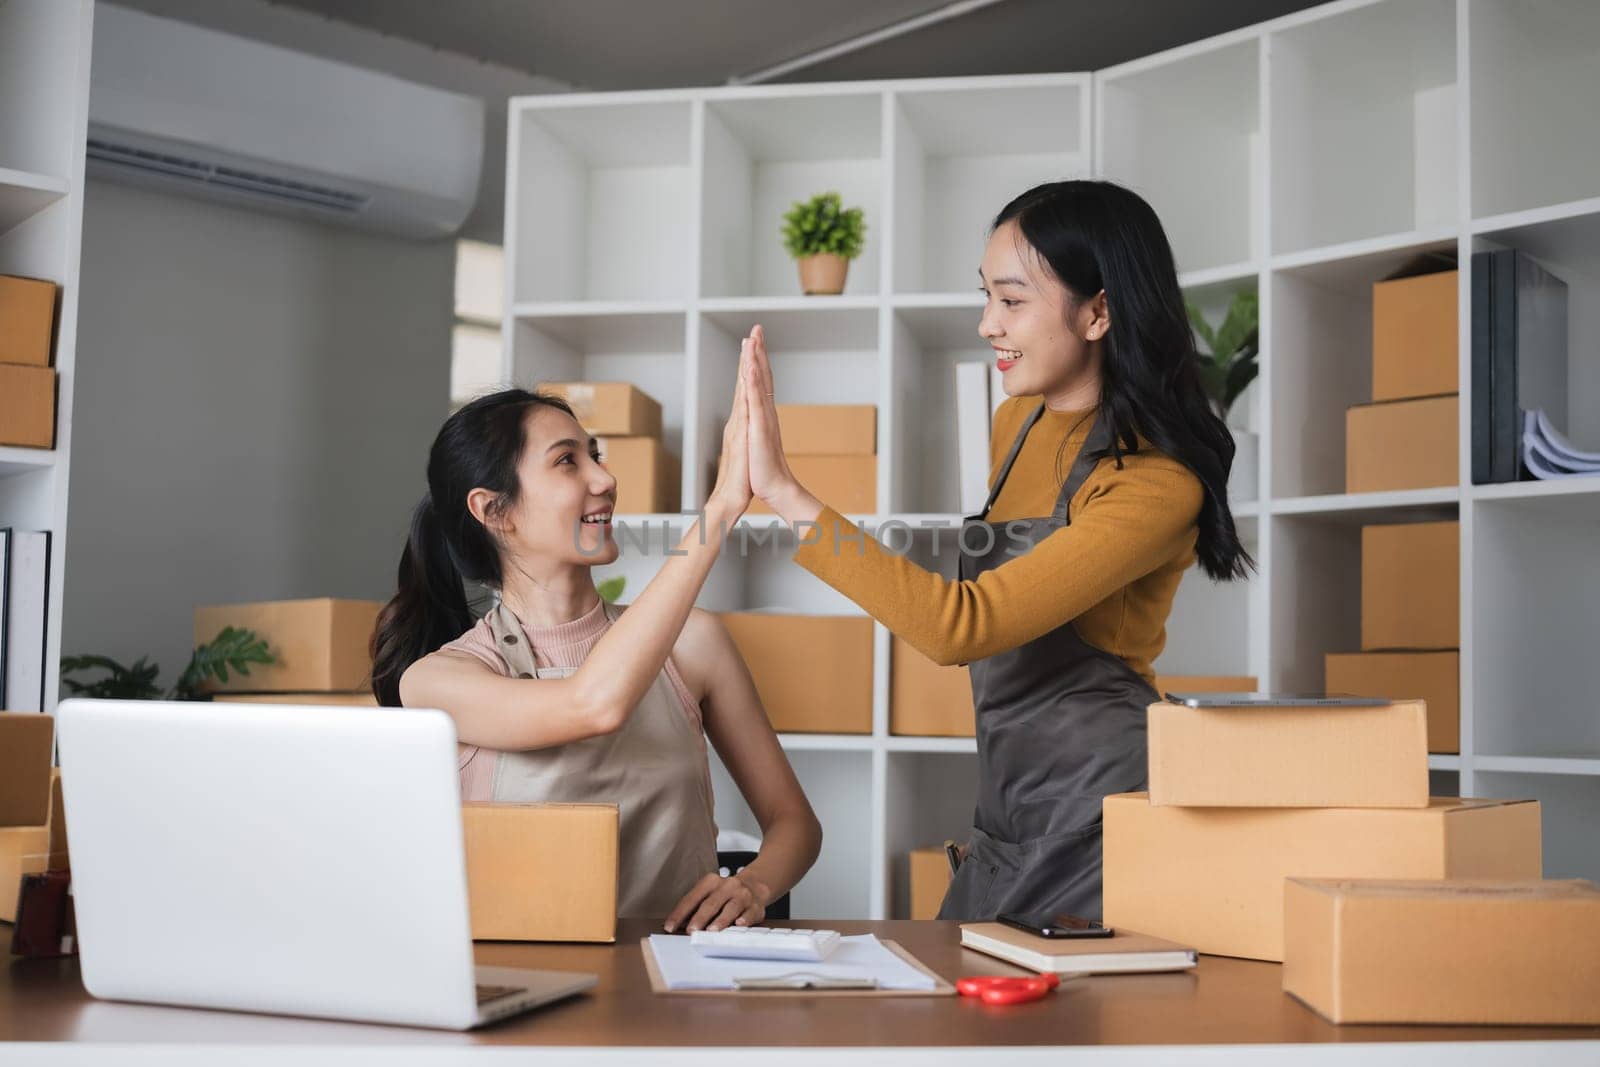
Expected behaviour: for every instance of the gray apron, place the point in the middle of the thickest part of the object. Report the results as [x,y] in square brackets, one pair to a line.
[1060,725]
[654,768]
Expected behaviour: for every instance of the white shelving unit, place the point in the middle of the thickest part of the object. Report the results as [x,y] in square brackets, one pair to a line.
[44,121]
[1304,159]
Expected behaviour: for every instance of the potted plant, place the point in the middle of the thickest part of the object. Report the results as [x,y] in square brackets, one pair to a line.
[823,237]
[1226,369]
[231,648]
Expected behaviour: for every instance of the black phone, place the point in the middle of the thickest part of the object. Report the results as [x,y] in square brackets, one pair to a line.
[1057,925]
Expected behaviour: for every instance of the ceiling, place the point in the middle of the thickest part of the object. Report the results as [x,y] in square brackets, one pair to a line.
[651,44]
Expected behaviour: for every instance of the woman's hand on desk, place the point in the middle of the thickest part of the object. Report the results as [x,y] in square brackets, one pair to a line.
[716,902]
[770,477]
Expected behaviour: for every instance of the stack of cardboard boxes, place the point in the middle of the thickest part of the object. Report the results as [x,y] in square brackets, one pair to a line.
[1307,835]
[1406,438]
[833,450]
[1242,798]
[627,423]
[27,377]
[1410,625]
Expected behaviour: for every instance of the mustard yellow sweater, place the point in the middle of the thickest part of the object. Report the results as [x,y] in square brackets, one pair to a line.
[1113,572]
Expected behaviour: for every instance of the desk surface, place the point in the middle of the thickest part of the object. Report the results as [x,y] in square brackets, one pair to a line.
[1225,1001]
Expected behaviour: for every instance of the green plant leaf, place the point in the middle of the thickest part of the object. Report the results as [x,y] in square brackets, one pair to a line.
[611,588]
[137,682]
[232,648]
[1238,326]
[1201,327]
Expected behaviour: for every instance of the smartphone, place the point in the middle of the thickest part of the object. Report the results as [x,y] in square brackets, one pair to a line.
[1057,925]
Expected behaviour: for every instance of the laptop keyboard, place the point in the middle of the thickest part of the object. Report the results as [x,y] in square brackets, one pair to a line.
[487,993]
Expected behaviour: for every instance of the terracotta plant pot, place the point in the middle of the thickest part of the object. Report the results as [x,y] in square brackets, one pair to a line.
[823,274]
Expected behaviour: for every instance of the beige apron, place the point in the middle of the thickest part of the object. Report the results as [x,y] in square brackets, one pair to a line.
[654,768]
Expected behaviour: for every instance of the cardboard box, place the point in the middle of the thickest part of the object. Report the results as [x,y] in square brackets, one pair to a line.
[646,473]
[33,832]
[27,406]
[1432,677]
[1414,336]
[542,872]
[1289,757]
[27,320]
[362,698]
[927,700]
[1213,877]
[321,645]
[1411,586]
[814,672]
[828,429]
[1444,952]
[1402,444]
[1205,683]
[848,484]
[610,409]
[930,880]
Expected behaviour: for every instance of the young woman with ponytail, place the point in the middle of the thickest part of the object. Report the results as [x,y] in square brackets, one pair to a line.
[556,695]
[1108,476]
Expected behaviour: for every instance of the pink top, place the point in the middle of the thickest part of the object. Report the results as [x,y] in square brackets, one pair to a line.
[566,644]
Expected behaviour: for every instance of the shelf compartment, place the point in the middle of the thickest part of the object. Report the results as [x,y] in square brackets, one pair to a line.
[957,163]
[1535,581]
[1320,345]
[1212,628]
[839,786]
[1568,245]
[1363,124]
[613,185]
[1157,122]
[764,154]
[645,350]
[23,195]
[927,343]
[931,796]
[1535,78]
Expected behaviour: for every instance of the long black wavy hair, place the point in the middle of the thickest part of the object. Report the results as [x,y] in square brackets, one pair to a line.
[478,447]
[1098,235]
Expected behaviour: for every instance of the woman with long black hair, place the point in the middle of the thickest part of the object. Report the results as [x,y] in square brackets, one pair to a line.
[1109,475]
[558,696]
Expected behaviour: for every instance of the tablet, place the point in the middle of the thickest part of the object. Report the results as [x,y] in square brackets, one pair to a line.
[1276,700]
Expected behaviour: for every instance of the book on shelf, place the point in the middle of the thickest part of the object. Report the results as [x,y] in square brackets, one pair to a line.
[1519,359]
[972,433]
[27,602]
[1124,952]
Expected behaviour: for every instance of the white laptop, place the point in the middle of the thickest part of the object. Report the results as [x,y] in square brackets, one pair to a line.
[295,860]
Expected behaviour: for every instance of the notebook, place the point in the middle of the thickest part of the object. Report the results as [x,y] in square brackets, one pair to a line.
[859,962]
[1125,952]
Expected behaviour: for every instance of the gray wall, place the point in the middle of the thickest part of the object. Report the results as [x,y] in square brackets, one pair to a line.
[255,398]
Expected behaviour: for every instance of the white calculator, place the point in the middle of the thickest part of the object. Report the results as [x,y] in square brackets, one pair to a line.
[765,943]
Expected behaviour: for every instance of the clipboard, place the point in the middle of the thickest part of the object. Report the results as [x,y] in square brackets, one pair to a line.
[941,988]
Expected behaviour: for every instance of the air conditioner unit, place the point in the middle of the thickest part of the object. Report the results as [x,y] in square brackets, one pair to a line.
[183,108]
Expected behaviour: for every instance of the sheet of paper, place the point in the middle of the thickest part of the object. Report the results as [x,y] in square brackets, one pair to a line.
[860,956]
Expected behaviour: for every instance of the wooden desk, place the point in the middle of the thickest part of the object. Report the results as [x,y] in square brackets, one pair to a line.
[1225,1002]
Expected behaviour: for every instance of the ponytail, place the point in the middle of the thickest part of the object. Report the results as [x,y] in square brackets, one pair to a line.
[428,609]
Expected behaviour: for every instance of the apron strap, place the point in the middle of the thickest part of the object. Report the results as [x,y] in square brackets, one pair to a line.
[1083,466]
[1011,459]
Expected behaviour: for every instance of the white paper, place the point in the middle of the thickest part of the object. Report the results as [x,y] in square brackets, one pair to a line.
[859,957]
[1547,453]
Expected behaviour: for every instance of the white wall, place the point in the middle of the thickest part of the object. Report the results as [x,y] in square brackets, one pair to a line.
[255,399]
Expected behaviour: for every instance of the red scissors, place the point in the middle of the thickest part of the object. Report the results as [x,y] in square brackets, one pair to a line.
[998,990]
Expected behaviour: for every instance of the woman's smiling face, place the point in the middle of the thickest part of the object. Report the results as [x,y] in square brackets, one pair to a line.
[1040,331]
[564,490]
